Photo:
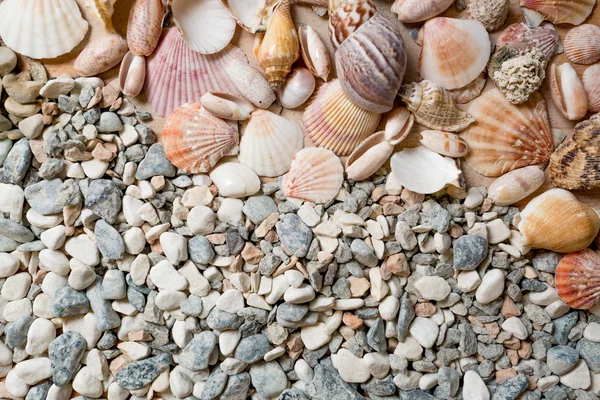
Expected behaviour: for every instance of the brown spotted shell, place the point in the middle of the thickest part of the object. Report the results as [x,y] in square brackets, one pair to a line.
[578,279]
[101,55]
[144,26]
[347,17]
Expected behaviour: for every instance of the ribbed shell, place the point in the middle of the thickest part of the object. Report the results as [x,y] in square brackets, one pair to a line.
[591,84]
[578,279]
[347,18]
[582,44]
[144,26]
[558,11]
[516,185]
[444,143]
[333,122]
[419,10]
[520,37]
[195,140]
[270,143]
[505,136]
[41,28]
[371,64]
[316,175]
[177,75]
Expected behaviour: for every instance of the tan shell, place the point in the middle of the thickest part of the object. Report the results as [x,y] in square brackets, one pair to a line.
[347,17]
[132,74]
[398,125]
[444,143]
[368,157]
[104,10]
[516,185]
[144,26]
[410,11]
[226,105]
[252,15]
[491,13]
[314,52]
[567,91]
[250,82]
[591,84]
[468,93]
[101,55]
[582,44]
[572,12]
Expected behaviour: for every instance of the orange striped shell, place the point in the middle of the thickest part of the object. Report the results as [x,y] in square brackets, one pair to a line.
[578,279]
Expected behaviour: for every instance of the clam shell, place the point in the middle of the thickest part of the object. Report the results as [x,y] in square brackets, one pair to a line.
[516,185]
[250,82]
[572,12]
[433,107]
[333,122]
[398,125]
[195,140]
[424,171]
[455,69]
[347,17]
[132,74]
[557,221]
[297,88]
[226,105]
[252,15]
[371,64]
[591,84]
[491,13]
[101,55]
[578,279]
[270,143]
[505,136]
[567,91]
[444,143]
[41,28]
[235,180]
[582,44]
[468,93]
[314,52]
[144,26]
[104,10]
[419,10]
[520,37]
[316,175]
[368,157]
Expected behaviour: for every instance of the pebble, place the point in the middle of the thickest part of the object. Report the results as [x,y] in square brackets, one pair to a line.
[469,252]
[258,208]
[424,331]
[351,368]
[363,253]
[433,288]
[65,353]
[561,359]
[17,162]
[578,377]
[491,287]
[514,326]
[109,122]
[201,220]
[110,242]
[592,332]
[8,61]
[175,247]
[155,163]
[39,336]
[252,348]
[55,87]
[197,352]
[31,127]
[141,373]
[268,378]
[104,199]
[295,236]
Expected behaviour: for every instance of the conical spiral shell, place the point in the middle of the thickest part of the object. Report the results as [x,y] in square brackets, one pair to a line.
[516,185]
[347,17]
[591,84]
[144,26]
[578,279]
[582,44]
[195,140]
[410,11]
[572,12]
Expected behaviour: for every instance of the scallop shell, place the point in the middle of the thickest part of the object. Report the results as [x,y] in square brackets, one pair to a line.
[433,107]
[41,28]
[252,15]
[453,69]
[368,157]
[578,279]
[371,64]
[195,140]
[470,92]
[424,171]
[333,122]
[516,185]
[521,37]
[557,221]
[572,12]
[235,180]
[250,82]
[505,136]
[347,17]
[491,13]
[270,143]
[177,75]
[567,91]
[144,26]
[297,88]
[419,10]
[576,162]
[591,84]
[101,55]
[314,52]
[226,105]
[132,74]
[316,175]
[582,44]
[444,143]
[104,10]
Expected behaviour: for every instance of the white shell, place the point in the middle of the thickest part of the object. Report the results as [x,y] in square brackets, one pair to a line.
[235,180]
[226,105]
[297,88]
[251,83]
[132,74]
[368,157]
[516,185]
[252,15]
[314,52]
[270,143]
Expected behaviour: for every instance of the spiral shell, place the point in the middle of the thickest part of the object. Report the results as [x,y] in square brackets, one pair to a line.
[582,44]
[347,17]
[578,279]
[144,26]
[516,185]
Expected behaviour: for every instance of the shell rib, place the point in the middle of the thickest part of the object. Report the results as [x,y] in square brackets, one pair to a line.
[419,10]
[591,84]
[572,12]
[347,17]
[578,279]
[144,26]
[582,44]
[521,37]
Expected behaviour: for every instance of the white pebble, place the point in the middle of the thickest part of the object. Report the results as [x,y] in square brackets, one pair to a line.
[86,384]
[39,336]
[166,277]
[231,301]
[201,220]
[174,246]
[34,370]
[491,287]
[84,249]
[54,238]
[425,331]
[433,288]
[474,387]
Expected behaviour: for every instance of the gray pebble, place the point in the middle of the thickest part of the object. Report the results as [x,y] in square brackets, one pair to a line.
[106,317]
[510,389]
[200,250]
[65,353]
[110,243]
[113,284]
[363,253]
[439,218]
[141,373]
[197,352]
[469,252]
[15,333]
[68,302]
[109,122]
[268,378]
[155,163]
[237,387]
[258,208]
[17,162]
[15,231]
[376,336]
[295,236]
[215,384]
[252,348]
[103,197]
[42,196]
[405,316]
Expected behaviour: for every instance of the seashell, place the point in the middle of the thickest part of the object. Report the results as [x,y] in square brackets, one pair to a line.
[226,106]
[468,93]
[176,75]
[424,171]
[444,143]
[575,163]
[454,69]
[316,175]
[250,82]
[516,185]
[144,26]
[333,122]
[591,84]
[252,15]
[371,74]
[567,91]
[41,28]
[104,10]
[491,13]
[235,180]
[345,17]
[433,107]
[195,140]
[577,279]
[101,55]
[520,36]
[557,221]
[505,136]
[297,88]
[410,11]
[582,44]
[270,143]
[314,52]
[206,25]
[398,125]
[280,47]
[132,74]
[572,12]
[368,157]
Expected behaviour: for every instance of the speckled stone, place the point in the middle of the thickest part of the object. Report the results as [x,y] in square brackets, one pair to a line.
[65,352]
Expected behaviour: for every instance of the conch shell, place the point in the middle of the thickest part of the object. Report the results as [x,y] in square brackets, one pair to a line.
[226,105]
[444,143]
[346,16]
[314,52]
[491,13]
[578,279]
[557,221]
[132,74]
[582,44]
[410,11]
[591,84]
[572,12]
[101,55]
[516,185]
[568,93]
[144,26]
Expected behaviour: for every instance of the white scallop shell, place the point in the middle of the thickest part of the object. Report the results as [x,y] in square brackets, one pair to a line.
[235,180]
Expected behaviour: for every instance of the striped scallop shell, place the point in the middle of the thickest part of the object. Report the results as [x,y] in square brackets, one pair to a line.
[578,279]
[195,140]
[333,122]
[347,18]
[591,84]
[572,12]
[582,44]
[521,37]
[316,175]
[419,10]
[144,26]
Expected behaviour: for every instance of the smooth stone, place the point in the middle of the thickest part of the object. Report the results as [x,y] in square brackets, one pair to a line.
[16,286]
[200,250]
[578,377]
[295,236]
[363,253]
[514,326]
[327,384]
[252,348]
[350,367]
[141,373]
[107,318]
[258,208]
[114,286]
[68,302]
[8,60]
[448,381]
[433,288]
[17,162]
[424,331]
[474,387]
[469,252]
[268,378]
[491,287]
[592,332]
[110,243]
[166,277]
[84,249]
[31,127]
[21,110]
[109,122]
[15,333]
[315,336]
[561,359]
[65,353]
[237,387]
[201,220]
[196,354]
[15,231]
[55,87]
[21,91]
[41,333]
[34,370]
[155,163]
[405,316]
[175,247]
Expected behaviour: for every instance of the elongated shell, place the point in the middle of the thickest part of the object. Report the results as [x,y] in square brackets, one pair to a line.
[297,88]
[444,143]
[270,143]
[368,157]
[252,15]
[132,74]
[195,140]
[316,175]
[371,64]
[578,279]
[333,122]
[410,11]
[582,44]
[568,93]
[557,221]
[505,136]
[453,69]
[591,84]
[572,12]
[516,185]
[144,26]
[226,105]
[314,52]
[101,55]
[347,17]
[235,180]
[250,82]
[433,107]
[41,28]
[398,125]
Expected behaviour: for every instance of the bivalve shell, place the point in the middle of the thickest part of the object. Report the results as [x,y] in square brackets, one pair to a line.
[297,88]
[314,52]
[516,185]
[572,12]
[582,44]
[347,17]
[520,36]
[410,11]
[226,105]
[101,55]
[368,157]
[567,91]
[144,26]
[444,143]
[578,279]
[252,15]
[235,180]
[132,74]
[591,84]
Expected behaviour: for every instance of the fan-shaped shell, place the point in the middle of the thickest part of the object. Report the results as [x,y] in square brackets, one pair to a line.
[314,52]
[591,84]
[252,15]
[582,44]
[572,12]
[144,26]
[567,91]
[520,36]
[41,28]
[453,69]
[505,136]
[516,185]
[368,157]
[316,175]
[195,140]
[333,122]
[132,74]
[101,55]
[466,94]
[371,64]
[347,18]
[444,143]
[270,143]
[578,279]
[419,10]
[226,106]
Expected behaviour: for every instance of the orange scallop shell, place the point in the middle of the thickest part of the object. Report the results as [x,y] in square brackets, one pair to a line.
[578,279]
